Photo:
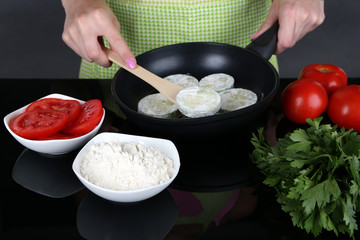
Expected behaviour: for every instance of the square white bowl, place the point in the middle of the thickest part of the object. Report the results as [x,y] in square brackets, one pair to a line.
[57,146]
[164,145]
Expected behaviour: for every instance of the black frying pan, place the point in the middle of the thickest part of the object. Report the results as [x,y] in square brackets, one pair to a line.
[249,66]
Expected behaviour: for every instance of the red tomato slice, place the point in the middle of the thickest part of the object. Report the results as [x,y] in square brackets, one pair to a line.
[58,136]
[90,116]
[38,123]
[71,107]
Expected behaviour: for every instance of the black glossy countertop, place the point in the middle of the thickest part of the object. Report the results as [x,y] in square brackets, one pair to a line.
[35,205]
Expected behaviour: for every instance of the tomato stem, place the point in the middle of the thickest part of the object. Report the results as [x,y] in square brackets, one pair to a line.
[324,70]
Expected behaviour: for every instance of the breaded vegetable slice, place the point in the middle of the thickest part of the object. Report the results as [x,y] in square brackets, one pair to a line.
[217,81]
[183,80]
[157,105]
[196,102]
[236,98]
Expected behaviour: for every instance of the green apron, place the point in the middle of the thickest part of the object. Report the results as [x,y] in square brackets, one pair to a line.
[149,24]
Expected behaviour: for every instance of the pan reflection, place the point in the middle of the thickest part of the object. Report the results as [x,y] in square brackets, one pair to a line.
[153,218]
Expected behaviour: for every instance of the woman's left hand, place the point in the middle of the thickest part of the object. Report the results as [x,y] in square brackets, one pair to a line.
[296,18]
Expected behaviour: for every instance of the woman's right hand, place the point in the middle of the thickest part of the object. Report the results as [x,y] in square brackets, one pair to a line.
[86,22]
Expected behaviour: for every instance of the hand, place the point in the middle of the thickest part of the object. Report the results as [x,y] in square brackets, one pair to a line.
[296,18]
[85,23]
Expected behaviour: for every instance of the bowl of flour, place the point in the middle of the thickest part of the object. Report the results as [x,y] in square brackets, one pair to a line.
[126,168]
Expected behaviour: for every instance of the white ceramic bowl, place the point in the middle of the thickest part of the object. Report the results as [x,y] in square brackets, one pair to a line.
[166,146]
[53,147]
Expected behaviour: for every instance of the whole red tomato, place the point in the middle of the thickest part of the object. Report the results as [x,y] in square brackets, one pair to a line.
[332,77]
[344,107]
[302,99]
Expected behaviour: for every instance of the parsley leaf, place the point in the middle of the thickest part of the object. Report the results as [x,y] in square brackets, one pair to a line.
[316,174]
[319,195]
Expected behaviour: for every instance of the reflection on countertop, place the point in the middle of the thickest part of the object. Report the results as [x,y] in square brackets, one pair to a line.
[55,205]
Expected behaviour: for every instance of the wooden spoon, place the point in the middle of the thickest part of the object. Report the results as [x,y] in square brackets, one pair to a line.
[167,88]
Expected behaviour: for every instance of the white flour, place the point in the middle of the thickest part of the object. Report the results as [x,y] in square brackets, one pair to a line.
[126,166]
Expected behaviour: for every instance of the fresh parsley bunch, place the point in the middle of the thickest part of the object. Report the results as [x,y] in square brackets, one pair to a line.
[315,172]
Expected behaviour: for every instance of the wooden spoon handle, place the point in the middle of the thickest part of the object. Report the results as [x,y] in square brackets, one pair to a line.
[168,89]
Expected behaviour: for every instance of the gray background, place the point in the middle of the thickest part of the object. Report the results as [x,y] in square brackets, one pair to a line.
[31,44]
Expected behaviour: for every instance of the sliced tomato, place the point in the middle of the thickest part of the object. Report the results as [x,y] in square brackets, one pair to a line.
[58,136]
[38,123]
[71,107]
[90,116]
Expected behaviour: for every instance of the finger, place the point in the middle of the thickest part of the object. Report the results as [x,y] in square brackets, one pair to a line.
[95,53]
[288,31]
[303,32]
[286,39]
[77,37]
[70,37]
[117,44]
[85,37]
[103,55]
[269,21]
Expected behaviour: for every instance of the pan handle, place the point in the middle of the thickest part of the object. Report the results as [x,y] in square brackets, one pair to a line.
[265,44]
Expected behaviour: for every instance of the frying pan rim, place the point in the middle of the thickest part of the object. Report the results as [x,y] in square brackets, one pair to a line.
[200,120]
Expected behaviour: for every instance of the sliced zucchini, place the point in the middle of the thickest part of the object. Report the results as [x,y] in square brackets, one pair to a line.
[157,105]
[197,102]
[236,98]
[217,81]
[183,80]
